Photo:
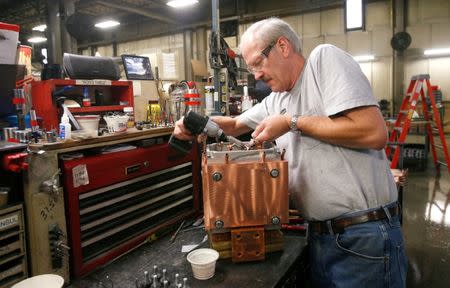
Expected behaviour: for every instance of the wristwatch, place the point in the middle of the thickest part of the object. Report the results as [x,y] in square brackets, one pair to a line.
[293,124]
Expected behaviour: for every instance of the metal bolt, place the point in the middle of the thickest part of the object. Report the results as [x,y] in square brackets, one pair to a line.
[217,176]
[275,220]
[219,224]
[274,173]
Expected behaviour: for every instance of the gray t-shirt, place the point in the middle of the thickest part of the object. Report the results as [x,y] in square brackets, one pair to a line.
[325,180]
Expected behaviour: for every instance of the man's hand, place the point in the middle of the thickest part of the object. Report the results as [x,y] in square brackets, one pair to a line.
[271,128]
[180,132]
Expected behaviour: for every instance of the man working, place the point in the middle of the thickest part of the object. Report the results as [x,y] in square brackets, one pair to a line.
[333,133]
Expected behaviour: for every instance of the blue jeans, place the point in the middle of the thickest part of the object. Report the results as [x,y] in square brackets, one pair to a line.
[366,255]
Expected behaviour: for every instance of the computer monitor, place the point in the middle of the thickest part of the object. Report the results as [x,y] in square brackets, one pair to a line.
[137,67]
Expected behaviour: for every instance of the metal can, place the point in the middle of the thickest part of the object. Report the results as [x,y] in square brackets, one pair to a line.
[8,133]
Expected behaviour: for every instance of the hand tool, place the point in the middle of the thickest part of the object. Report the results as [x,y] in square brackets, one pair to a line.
[172,239]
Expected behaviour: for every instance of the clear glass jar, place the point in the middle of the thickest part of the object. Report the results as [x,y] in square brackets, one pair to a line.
[129,111]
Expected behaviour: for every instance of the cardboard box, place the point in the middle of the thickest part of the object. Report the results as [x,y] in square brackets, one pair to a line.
[9,35]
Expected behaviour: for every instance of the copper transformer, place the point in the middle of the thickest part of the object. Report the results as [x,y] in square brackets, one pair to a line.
[245,196]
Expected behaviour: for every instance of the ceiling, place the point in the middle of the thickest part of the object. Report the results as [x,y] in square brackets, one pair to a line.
[145,18]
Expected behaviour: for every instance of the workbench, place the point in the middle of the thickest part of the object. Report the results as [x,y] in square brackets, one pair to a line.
[277,270]
[58,243]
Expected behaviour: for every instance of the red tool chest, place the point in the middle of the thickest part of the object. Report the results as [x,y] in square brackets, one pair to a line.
[116,200]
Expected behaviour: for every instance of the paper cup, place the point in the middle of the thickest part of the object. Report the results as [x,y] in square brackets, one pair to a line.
[41,281]
[203,262]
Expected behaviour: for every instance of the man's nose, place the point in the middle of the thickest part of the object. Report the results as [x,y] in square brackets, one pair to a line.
[258,75]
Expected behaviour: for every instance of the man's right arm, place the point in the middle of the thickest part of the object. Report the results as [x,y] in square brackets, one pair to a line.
[231,126]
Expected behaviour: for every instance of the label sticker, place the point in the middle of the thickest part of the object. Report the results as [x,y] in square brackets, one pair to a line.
[80,175]
[9,221]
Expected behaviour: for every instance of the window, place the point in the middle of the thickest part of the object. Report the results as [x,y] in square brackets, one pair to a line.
[354,15]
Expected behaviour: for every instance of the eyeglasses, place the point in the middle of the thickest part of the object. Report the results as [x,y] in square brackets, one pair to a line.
[259,64]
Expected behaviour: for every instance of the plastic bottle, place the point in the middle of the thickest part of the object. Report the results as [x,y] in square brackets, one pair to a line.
[65,129]
[86,97]
[129,111]
[247,102]
[209,100]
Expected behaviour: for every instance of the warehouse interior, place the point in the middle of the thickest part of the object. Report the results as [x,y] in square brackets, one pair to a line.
[96,190]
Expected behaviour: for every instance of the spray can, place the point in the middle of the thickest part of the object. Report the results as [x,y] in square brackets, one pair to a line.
[86,98]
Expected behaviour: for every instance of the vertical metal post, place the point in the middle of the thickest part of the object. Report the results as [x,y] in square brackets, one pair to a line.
[69,44]
[216,32]
[54,33]
[187,39]
[399,20]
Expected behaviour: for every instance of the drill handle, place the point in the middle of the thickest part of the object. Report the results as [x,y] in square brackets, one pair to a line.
[180,145]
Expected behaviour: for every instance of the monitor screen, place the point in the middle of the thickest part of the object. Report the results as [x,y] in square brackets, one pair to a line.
[137,67]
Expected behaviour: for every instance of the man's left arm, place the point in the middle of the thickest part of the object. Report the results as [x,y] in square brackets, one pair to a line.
[360,128]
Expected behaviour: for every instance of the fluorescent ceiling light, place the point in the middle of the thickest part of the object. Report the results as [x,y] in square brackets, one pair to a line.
[181,3]
[433,52]
[107,24]
[364,58]
[37,39]
[353,14]
[40,28]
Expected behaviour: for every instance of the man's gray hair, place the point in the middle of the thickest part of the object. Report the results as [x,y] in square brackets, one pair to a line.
[269,30]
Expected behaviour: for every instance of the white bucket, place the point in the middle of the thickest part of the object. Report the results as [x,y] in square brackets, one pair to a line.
[89,123]
[116,123]
[203,262]
[41,281]
[9,35]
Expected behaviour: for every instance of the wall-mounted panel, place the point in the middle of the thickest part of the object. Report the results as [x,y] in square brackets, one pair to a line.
[421,36]
[337,40]
[413,12]
[378,15]
[415,67]
[332,22]
[381,78]
[439,73]
[295,22]
[381,42]
[310,43]
[311,25]
[440,35]
[359,43]
[434,11]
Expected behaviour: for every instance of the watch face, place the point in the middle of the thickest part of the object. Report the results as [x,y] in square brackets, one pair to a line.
[294,123]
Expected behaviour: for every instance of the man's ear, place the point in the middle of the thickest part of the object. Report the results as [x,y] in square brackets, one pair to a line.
[285,46]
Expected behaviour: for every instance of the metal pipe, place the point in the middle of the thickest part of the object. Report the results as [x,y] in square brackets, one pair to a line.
[69,44]
[54,33]
[216,31]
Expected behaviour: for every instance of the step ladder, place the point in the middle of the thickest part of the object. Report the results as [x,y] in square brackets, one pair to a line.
[432,122]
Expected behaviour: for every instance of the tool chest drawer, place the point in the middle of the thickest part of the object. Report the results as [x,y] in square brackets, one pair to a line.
[13,263]
[115,200]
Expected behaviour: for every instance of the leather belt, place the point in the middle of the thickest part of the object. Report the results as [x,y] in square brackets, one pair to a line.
[339,225]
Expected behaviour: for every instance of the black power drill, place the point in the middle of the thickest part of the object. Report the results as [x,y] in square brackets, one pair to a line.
[197,124]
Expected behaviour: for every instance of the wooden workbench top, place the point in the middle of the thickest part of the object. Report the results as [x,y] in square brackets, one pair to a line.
[129,135]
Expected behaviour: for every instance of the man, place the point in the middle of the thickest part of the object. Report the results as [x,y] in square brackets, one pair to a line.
[323,113]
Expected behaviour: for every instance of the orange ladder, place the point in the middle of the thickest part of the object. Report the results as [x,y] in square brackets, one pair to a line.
[433,122]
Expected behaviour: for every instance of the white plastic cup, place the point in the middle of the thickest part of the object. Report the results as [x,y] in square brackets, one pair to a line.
[41,281]
[203,262]
[116,123]
[89,123]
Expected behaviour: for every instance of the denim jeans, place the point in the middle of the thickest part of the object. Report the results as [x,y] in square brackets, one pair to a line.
[366,255]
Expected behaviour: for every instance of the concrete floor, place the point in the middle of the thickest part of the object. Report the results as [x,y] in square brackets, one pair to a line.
[426,224]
